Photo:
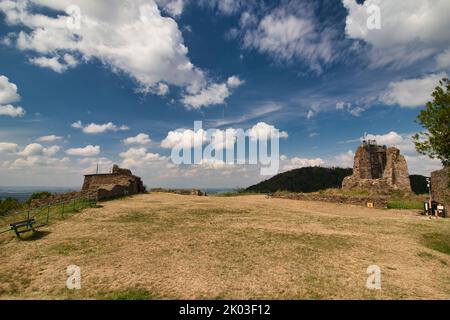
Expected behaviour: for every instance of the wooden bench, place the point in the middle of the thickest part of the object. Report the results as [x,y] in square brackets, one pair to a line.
[25,226]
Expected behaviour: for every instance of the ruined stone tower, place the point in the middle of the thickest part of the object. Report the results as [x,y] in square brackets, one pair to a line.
[378,168]
[440,186]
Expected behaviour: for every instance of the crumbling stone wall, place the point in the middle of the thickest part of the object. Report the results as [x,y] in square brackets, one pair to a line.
[120,182]
[380,169]
[396,171]
[112,191]
[380,202]
[92,182]
[440,186]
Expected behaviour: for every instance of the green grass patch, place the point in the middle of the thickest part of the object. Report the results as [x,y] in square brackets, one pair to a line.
[64,249]
[79,247]
[405,204]
[437,241]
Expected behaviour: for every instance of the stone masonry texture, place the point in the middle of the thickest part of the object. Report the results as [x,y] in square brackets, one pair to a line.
[378,169]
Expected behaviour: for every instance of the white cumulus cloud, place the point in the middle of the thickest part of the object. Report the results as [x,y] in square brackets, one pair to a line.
[8,96]
[297,162]
[412,93]
[8,91]
[173,7]
[49,138]
[213,94]
[12,111]
[263,131]
[401,22]
[131,38]
[219,139]
[391,138]
[184,138]
[94,128]
[36,149]
[8,147]
[55,63]
[142,139]
[289,34]
[344,160]
[88,151]
[50,163]
[139,157]
[410,30]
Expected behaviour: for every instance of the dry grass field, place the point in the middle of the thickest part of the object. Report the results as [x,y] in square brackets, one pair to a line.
[164,246]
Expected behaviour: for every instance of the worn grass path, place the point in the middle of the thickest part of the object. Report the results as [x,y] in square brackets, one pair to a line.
[163,246]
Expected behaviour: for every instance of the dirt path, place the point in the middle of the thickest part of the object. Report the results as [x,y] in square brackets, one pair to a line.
[183,247]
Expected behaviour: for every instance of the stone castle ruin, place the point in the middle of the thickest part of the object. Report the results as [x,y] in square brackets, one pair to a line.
[120,182]
[378,169]
[440,186]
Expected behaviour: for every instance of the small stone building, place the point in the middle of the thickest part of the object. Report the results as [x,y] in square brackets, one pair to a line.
[379,169]
[119,183]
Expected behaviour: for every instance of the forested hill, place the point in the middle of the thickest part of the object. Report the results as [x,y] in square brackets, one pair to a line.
[308,179]
[312,179]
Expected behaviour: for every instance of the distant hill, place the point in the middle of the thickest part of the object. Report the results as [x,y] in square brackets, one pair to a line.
[312,179]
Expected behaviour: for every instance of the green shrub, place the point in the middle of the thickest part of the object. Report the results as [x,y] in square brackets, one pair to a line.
[38,196]
[9,204]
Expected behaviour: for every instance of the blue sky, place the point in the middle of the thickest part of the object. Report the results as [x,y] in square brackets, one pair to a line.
[77,78]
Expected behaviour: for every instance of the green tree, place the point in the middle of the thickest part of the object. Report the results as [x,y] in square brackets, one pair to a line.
[435,118]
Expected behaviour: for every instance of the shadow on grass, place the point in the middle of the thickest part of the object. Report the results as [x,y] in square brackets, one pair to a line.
[36,236]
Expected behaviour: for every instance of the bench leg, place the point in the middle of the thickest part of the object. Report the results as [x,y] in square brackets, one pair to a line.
[33,230]
[17,233]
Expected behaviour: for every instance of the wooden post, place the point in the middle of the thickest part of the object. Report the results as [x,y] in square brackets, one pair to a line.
[430,196]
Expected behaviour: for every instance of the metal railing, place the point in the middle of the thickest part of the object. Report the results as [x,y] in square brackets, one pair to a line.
[43,215]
